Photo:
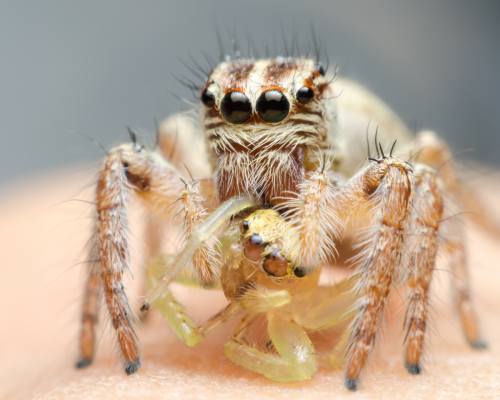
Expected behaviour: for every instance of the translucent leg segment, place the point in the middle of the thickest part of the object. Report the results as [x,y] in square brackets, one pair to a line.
[204,232]
[296,360]
[175,315]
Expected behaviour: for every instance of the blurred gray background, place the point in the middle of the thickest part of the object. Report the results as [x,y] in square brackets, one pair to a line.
[96,67]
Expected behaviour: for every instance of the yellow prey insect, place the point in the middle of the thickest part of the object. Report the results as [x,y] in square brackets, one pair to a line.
[258,278]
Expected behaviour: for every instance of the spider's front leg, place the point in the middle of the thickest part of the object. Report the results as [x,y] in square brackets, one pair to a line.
[384,191]
[130,168]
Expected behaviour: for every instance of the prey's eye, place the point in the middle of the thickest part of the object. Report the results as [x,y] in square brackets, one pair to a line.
[207,98]
[244,227]
[235,107]
[305,95]
[273,106]
[320,69]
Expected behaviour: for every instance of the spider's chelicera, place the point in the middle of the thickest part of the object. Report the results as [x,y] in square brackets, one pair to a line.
[281,160]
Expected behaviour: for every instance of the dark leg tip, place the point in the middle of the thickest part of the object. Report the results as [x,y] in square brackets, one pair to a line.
[479,344]
[132,367]
[351,384]
[83,363]
[145,306]
[413,369]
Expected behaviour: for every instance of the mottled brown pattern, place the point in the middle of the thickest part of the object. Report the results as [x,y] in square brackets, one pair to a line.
[236,75]
[392,204]
[428,211]
[114,256]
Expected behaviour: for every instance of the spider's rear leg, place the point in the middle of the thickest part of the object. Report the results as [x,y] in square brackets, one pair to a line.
[128,168]
[424,236]
[462,297]
[434,152]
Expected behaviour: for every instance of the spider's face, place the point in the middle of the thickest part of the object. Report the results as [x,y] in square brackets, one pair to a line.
[278,102]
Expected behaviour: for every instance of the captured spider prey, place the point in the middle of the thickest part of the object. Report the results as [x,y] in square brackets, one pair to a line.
[257,277]
[283,173]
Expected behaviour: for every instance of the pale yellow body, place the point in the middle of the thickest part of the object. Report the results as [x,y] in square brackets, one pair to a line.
[292,305]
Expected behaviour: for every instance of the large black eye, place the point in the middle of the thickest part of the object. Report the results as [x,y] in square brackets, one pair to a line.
[305,95]
[235,107]
[207,98]
[272,106]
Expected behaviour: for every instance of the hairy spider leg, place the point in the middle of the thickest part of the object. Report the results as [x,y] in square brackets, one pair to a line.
[385,190]
[426,220]
[181,142]
[129,168]
[432,151]
[312,224]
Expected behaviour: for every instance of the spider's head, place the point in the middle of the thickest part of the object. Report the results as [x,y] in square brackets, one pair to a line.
[254,104]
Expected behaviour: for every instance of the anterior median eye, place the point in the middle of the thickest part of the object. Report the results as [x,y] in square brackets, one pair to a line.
[207,98]
[305,95]
[235,107]
[273,106]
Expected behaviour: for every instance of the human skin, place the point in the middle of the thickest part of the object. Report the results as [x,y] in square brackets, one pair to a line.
[40,297]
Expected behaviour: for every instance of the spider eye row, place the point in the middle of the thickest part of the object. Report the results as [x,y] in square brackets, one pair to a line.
[272,105]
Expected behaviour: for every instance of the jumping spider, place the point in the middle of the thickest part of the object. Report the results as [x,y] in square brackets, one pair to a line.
[281,134]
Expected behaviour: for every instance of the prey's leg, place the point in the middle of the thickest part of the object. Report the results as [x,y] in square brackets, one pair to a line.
[296,360]
[426,220]
[193,244]
[330,306]
[174,313]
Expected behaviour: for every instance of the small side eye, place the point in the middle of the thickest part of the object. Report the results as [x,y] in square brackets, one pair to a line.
[305,95]
[236,107]
[207,98]
[273,106]
[320,69]
[244,227]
